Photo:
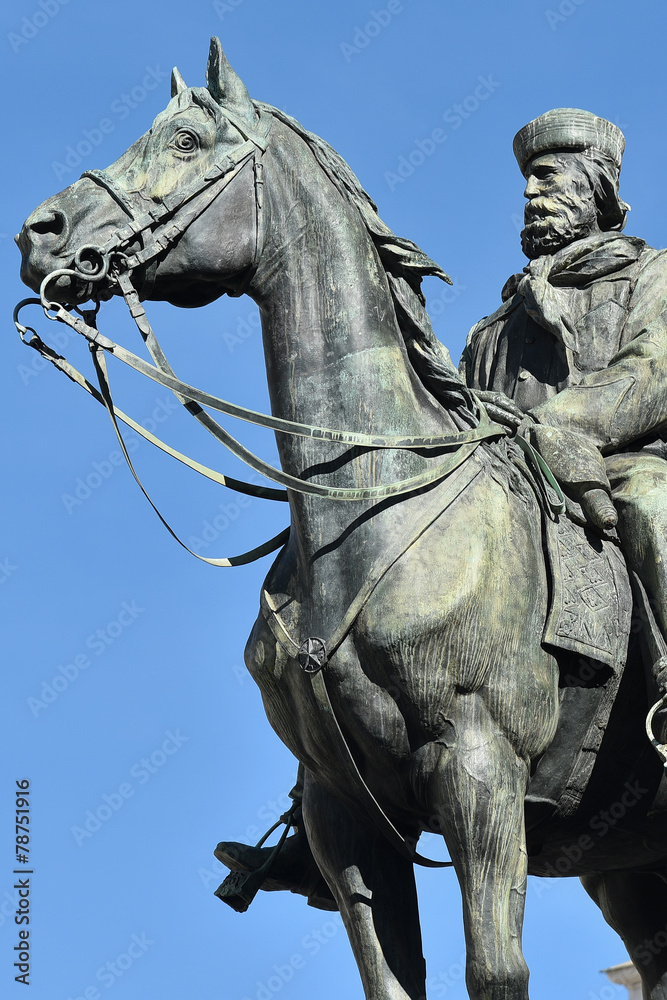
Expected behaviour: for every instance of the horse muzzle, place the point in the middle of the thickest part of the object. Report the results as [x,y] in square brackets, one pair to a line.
[43,236]
[61,233]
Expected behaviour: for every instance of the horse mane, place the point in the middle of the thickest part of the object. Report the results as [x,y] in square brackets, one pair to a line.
[405,265]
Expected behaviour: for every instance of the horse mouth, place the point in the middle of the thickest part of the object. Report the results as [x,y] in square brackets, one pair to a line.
[66,289]
[69,283]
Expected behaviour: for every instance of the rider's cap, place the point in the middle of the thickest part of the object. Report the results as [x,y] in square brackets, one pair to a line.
[568,129]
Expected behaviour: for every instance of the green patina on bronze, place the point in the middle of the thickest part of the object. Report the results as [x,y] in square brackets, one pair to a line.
[482,691]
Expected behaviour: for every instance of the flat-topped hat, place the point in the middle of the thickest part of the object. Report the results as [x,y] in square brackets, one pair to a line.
[569,129]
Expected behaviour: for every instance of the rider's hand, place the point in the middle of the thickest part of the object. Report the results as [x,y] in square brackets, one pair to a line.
[501,408]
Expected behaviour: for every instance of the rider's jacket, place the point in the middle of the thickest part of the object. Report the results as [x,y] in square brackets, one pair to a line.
[580,342]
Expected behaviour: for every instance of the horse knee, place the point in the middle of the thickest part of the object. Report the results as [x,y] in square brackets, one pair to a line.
[503,979]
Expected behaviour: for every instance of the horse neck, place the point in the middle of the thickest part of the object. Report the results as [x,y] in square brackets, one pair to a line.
[334,353]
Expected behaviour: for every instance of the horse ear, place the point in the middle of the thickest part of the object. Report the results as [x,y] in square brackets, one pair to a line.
[178,84]
[225,86]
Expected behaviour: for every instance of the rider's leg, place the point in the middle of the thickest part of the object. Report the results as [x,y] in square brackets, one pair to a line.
[376,895]
[294,868]
[635,905]
[639,491]
[478,795]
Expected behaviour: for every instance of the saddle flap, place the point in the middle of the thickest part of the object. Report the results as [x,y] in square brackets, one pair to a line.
[591,607]
[590,616]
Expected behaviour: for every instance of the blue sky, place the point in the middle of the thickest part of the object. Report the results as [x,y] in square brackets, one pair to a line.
[94,591]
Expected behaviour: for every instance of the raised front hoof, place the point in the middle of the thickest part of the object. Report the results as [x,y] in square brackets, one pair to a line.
[291,871]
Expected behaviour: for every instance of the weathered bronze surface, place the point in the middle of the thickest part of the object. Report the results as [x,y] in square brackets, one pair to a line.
[465,706]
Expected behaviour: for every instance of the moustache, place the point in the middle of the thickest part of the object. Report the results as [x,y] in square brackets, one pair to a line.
[543,207]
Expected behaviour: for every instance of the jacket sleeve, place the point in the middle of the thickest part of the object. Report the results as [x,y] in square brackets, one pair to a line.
[465,365]
[627,400]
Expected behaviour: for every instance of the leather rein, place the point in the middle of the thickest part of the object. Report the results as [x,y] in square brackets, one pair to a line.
[158,229]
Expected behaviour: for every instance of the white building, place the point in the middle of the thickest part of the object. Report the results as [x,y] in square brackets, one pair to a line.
[626,975]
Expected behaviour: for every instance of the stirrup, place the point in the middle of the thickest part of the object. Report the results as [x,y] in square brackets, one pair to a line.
[240,888]
[660,748]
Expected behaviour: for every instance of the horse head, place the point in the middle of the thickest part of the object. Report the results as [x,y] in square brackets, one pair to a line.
[180,206]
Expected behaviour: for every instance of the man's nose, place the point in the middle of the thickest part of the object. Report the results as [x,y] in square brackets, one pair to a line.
[532,187]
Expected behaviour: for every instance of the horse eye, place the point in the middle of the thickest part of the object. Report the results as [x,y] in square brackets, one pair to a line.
[185,142]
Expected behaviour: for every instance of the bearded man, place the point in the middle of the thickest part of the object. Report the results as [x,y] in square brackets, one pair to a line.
[576,358]
[577,352]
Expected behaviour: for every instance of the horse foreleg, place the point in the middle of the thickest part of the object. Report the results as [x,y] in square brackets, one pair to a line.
[478,795]
[376,895]
[635,905]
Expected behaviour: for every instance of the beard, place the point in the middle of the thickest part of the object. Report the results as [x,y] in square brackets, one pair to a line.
[554,222]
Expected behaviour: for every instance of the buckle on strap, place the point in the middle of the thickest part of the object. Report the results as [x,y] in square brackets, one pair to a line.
[312,655]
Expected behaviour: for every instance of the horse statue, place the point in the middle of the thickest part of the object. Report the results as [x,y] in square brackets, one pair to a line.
[400,646]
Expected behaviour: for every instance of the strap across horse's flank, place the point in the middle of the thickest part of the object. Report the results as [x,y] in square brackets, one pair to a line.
[435,506]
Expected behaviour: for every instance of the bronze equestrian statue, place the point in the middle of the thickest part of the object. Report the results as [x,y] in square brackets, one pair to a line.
[415,650]
[569,349]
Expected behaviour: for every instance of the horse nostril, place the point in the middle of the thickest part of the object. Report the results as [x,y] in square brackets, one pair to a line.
[48,224]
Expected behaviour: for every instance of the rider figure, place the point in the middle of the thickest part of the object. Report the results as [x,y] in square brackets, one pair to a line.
[577,357]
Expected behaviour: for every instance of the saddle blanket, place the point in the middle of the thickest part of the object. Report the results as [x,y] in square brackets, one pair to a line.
[590,615]
[591,608]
